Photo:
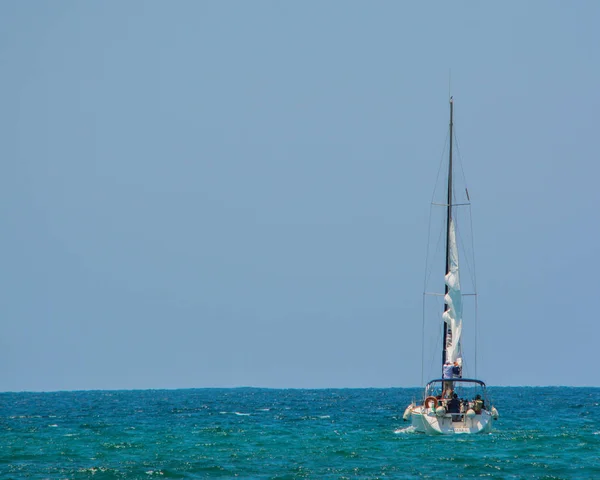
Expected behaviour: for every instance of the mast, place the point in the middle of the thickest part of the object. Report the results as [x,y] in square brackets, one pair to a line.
[447,331]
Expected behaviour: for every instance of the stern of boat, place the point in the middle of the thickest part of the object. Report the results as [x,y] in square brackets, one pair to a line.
[432,422]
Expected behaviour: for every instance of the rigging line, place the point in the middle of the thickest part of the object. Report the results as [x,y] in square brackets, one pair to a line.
[437,177]
[467,369]
[464,251]
[468,258]
[473,251]
[437,247]
[476,333]
[423,344]
[429,261]
[473,271]
[460,161]
[427,266]
[471,257]
[436,344]
[475,290]
[436,251]
[427,252]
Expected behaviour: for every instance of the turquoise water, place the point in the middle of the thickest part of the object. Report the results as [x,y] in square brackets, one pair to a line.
[545,433]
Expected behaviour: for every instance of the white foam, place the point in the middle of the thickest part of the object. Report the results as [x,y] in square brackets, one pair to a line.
[92,470]
[242,414]
[409,429]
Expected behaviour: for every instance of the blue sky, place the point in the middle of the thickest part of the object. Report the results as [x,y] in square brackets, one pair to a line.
[199,194]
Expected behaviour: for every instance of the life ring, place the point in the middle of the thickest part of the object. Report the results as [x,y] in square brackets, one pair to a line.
[428,399]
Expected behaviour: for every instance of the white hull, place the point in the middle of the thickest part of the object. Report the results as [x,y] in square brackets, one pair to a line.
[425,420]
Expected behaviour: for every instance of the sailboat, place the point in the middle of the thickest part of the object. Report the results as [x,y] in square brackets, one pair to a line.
[452,404]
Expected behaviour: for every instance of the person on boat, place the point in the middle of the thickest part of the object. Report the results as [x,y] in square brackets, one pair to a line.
[454,407]
[456,370]
[478,404]
[448,370]
[446,395]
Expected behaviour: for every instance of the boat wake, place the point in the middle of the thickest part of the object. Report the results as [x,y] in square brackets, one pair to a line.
[409,429]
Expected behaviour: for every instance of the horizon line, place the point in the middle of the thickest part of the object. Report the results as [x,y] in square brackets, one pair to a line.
[250,387]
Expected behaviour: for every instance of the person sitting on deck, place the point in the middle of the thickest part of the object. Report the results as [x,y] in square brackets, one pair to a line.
[454,407]
[478,404]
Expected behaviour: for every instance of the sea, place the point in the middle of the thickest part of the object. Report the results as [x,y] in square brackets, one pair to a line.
[254,433]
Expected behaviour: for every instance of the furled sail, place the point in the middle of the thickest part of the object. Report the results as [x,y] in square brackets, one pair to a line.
[453,299]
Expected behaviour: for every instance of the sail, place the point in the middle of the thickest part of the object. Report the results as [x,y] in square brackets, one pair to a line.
[453,299]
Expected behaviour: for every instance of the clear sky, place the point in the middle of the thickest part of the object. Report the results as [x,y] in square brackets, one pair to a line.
[199,194]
